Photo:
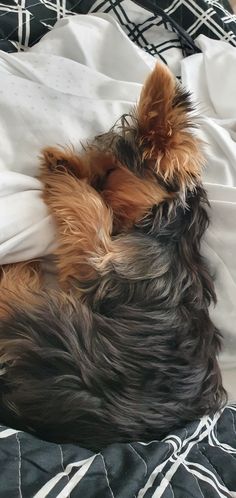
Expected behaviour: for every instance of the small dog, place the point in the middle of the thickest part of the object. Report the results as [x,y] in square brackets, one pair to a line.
[124,349]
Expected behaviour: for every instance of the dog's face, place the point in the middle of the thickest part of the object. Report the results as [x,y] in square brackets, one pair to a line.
[135,357]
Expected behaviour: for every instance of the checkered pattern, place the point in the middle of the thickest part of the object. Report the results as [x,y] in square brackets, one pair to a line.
[155,32]
[177,22]
[209,17]
[195,462]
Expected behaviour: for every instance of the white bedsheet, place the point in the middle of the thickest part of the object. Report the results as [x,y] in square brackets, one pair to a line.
[75,83]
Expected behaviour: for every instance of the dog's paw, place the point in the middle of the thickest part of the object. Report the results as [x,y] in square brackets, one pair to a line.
[54,159]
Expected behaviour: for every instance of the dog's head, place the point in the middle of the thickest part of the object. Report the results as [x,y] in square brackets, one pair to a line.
[139,357]
[152,155]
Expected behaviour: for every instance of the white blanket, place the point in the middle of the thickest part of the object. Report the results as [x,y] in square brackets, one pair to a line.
[75,83]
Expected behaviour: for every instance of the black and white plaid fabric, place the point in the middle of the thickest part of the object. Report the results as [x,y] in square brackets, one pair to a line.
[24,22]
[198,461]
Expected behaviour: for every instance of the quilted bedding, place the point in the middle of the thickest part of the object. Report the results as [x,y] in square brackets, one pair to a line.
[200,459]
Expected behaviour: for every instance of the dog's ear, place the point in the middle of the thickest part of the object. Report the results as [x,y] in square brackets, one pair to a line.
[167,143]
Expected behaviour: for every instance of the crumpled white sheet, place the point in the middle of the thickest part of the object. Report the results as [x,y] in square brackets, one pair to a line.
[74,84]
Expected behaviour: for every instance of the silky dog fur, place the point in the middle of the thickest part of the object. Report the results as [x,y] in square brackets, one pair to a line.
[124,349]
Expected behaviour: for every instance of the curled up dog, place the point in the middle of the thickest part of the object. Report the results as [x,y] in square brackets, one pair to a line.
[124,349]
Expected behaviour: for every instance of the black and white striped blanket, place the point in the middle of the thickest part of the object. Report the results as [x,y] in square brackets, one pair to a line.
[199,460]
[24,22]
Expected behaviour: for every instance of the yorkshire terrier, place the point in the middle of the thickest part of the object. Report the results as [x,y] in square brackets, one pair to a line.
[124,349]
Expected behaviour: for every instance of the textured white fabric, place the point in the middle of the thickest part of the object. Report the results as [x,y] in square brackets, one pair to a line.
[75,83]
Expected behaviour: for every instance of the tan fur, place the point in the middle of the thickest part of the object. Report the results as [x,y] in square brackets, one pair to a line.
[84,224]
[93,196]
[19,282]
[128,196]
[171,149]
[92,165]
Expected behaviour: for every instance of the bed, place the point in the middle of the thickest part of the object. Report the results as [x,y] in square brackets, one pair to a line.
[193,38]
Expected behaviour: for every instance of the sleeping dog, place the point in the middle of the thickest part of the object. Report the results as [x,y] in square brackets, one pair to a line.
[124,348]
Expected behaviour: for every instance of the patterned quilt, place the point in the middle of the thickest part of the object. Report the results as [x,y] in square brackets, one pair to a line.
[199,460]
[24,22]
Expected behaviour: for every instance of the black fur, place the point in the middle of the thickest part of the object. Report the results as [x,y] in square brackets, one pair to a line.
[138,361]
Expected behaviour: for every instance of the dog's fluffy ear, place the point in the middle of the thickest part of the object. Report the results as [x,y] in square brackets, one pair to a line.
[164,130]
